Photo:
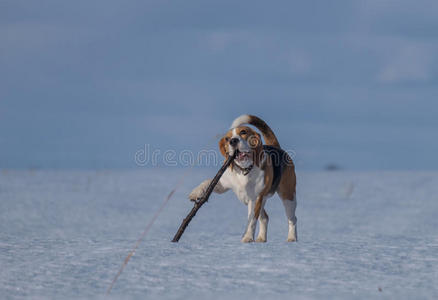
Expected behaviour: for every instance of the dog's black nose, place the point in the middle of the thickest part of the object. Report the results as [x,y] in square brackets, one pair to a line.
[234,141]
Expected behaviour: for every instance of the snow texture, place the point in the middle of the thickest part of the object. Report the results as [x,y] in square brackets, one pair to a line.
[64,234]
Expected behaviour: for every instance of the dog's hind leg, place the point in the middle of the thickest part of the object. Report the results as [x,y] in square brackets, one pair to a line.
[289,207]
[286,191]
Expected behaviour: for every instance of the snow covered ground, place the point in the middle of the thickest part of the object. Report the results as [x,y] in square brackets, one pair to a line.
[64,234]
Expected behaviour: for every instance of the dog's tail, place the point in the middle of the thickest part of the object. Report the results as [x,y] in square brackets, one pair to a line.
[268,134]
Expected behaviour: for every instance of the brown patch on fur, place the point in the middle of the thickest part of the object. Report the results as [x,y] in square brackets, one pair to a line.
[223,142]
[268,134]
[222,147]
[258,206]
[269,176]
[287,186]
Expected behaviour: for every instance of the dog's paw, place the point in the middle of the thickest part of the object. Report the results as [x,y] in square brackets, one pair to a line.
[292,235]
[197,193]
[261,239]
[247,239]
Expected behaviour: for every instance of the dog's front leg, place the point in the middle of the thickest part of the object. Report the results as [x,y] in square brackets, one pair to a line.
[248,236]
[199,191]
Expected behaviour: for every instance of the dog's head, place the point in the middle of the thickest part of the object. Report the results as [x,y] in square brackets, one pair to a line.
[247,144]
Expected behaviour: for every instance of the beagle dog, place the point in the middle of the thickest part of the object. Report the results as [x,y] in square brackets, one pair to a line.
[257,172]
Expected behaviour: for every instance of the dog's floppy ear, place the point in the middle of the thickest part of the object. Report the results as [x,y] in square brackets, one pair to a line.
[222,148]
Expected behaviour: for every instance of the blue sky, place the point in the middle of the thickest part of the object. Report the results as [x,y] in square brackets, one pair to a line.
[85,84]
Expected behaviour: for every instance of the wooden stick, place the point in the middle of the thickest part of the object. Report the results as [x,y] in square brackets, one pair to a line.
[204,199]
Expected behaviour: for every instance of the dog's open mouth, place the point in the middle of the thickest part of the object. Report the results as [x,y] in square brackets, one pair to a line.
[242,155]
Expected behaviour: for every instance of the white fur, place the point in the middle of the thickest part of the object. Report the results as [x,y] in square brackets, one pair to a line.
[289,207]
[246,188]
[243,119]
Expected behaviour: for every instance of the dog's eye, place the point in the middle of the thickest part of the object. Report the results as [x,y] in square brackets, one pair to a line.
[227,139]
[243,132]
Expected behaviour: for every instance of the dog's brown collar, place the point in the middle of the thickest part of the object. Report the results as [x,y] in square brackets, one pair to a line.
[245,171]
